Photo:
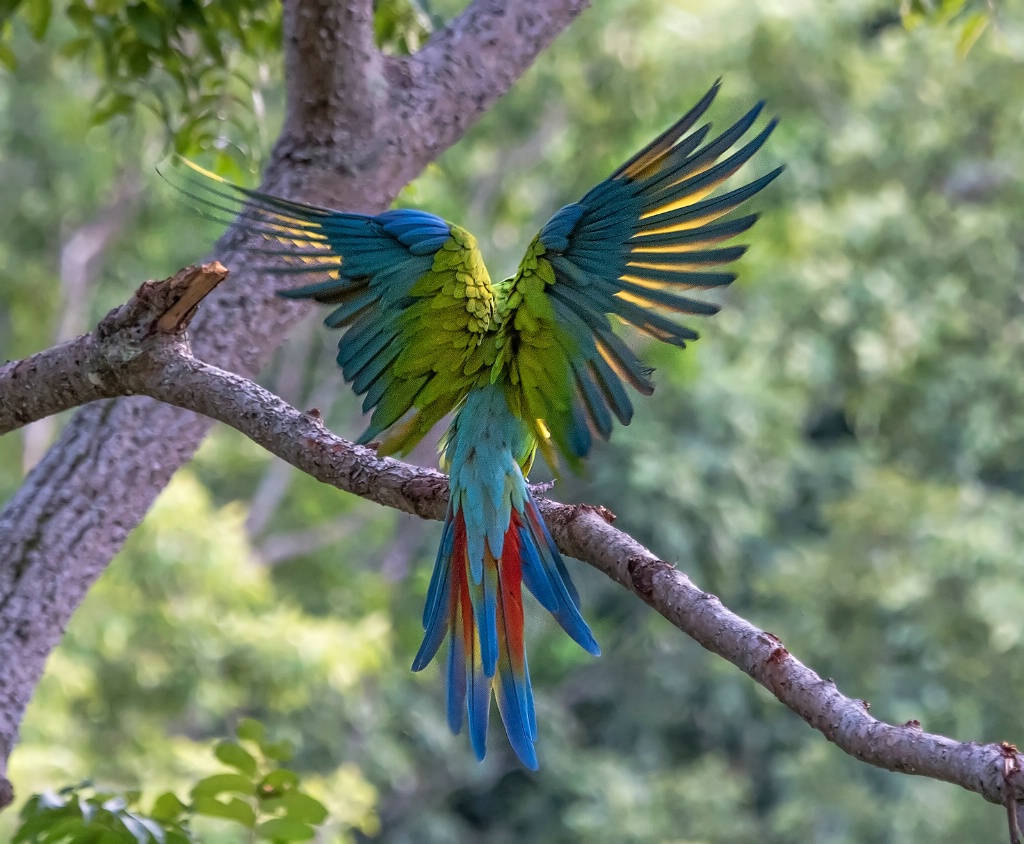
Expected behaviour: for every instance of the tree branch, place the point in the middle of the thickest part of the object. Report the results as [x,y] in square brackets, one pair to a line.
[492,41]
[134,359]
[105,363]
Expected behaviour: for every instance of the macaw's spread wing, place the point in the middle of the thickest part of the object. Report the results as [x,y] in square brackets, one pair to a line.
[631,247]
[410,288]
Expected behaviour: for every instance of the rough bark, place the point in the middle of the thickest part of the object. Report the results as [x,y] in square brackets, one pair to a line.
[347,142]
[136,350]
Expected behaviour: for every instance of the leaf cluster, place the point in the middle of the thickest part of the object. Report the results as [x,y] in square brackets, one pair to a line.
[194,64]
[259,795]
[201,66]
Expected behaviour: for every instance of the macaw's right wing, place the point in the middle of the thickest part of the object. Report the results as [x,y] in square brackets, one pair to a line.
[629,249]
[410,289]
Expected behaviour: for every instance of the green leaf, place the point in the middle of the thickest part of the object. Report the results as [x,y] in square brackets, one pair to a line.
[285,829]
[233,754]
[192,15]
[8,8]
[178,836]
[211,42]
[949,9]
[301,807]
[148,27]
[80,14]
[72,829]
[167,807]
[37,15]
[111,106]
[86,808]
[234,809]
[913,13]
[75,47]
[277,781]
[49,800]
[154,829]
[279,751]
[251,730]
[30,830]
[113,802]
[219,783]
[137,830]
[138,58]
[973,29]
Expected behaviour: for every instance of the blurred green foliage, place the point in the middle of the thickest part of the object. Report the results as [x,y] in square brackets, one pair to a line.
[841,458]
[199,67]
[971,17]
[261,796]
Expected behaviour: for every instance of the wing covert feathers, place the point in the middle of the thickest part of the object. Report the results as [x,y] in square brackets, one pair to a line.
[410,289]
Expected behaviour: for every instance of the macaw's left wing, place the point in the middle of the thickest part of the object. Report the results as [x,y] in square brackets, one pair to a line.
[630,247]
[410,289]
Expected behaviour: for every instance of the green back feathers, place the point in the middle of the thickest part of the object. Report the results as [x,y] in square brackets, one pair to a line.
[441,353]
[415,351]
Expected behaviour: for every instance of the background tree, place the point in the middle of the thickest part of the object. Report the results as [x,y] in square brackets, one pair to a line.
[838,460]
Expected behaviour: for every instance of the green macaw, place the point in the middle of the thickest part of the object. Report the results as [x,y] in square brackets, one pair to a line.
[529,362]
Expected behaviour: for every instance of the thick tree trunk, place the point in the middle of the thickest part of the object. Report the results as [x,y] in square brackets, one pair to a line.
[359,126]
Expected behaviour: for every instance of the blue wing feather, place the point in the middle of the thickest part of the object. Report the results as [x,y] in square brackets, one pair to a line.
[372,264]
[629,248]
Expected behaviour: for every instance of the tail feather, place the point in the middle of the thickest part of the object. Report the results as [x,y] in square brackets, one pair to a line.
[533,569]
[554,573]
[513,691]
[478,692]
[439,611]
[476,617]
[486,597]
[469,690]
[456,678]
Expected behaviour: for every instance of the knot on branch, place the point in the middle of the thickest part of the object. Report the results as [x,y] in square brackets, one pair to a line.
[641,573]
[602,512]
[163,307]
[429,492]
[115,358]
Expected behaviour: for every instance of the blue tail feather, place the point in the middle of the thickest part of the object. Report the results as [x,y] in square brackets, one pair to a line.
[493,542]
[456,682]
[479,703]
